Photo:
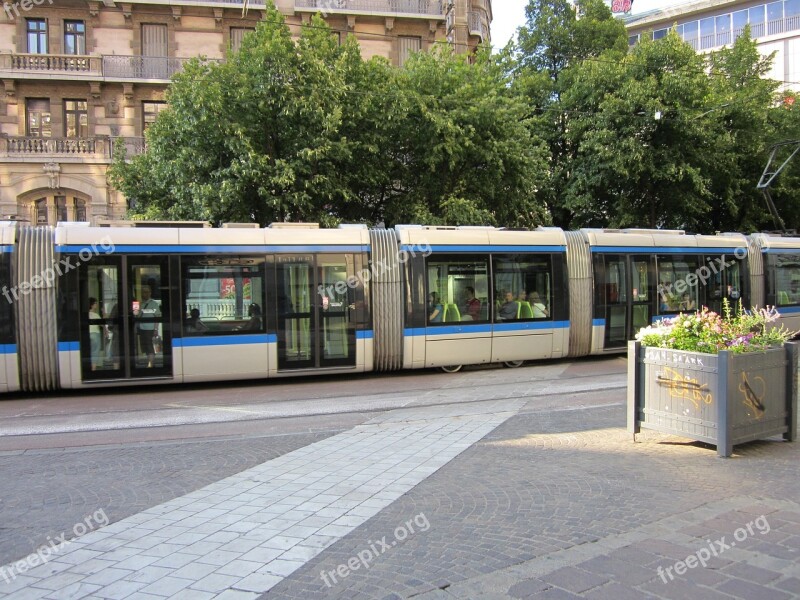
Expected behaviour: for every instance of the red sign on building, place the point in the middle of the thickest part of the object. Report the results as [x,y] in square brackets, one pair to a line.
[621,6]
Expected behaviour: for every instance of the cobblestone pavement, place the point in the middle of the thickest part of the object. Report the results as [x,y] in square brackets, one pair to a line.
[555,501]
[562,504]
[46,493]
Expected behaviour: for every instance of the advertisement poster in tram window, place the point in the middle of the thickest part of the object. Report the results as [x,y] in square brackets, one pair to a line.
[227,288]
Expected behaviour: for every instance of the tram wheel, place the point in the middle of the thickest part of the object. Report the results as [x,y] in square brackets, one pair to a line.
[451,368]
[513,364]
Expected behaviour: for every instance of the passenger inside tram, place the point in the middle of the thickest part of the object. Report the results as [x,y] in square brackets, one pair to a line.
[538,307]
[148,311]
[193,323]
[95,333]
[471,309]
[254,323]
[687,303]
[508,310]
[435,308]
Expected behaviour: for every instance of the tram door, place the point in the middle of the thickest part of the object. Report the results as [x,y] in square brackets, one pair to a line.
[315,306]
[625,290]
[125,332]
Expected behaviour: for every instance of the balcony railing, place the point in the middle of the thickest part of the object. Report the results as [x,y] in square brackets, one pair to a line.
[478,26]
[757,30]
[62,63]
[108,66]
[132,145]
[100,147]
[141,67]
[416,7]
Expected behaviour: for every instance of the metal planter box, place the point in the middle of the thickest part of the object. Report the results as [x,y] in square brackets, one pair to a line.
[722,399]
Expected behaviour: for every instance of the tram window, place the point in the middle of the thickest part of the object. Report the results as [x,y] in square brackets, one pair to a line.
[223,295]
[523,283]
[458,289]
[677,277]
[787,279]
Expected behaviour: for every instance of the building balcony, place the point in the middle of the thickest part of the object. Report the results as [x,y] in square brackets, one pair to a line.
[95,68]
[427,8]
[89,149]
[478,26]
[51,64]
[141,67]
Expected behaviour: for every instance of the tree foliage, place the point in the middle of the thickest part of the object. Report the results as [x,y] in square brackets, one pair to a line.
[570,127]
[657,135]
[306,130]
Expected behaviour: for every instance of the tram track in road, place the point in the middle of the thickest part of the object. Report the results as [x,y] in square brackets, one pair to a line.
[91,401]
[365,405]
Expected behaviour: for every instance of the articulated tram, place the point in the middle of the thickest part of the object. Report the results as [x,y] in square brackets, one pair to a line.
[85,307]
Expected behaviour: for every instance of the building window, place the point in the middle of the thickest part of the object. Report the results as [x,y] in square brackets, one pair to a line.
[74,37]
[150,111]
[756,20]
[76,119]
[660,33]
[80,210]
[61,208]
[690,31]
[38,110]
[154,40]
[723,23]
[37,36]
[237,35]
[791,8]
[774,18]
[707,33]
[633,39]
[408,45]
[40,206]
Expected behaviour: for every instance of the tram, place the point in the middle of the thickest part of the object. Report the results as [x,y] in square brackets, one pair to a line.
[85,307]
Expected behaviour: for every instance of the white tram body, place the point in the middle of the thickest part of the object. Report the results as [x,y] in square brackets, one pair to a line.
[89,307]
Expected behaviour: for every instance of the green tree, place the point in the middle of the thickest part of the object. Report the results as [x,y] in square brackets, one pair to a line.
[265,136]
[645,139]
[466,154]
[744,98]
[553,42]
[308,130]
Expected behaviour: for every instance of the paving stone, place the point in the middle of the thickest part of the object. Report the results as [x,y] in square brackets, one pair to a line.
[527,588]
[790,584]
[751,573]
[751,591]
[574,580]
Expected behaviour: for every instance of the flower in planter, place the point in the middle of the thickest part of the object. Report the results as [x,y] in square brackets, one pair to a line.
[709,332]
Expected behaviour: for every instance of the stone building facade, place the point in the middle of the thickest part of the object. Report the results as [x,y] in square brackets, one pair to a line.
[709,25]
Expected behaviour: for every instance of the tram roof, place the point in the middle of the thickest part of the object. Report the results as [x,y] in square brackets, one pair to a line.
[777,241]
[479,237]
[304,239]
[640,238]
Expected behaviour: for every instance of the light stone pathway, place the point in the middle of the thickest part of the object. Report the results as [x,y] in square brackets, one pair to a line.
[239,537]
